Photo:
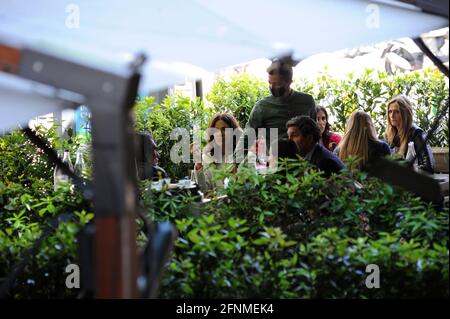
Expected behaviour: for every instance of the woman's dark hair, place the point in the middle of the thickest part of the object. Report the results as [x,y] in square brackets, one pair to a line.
[227,118]
[326,132]
[286,148]
[231,121]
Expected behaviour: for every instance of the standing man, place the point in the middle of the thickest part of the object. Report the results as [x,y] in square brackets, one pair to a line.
[305,132]
[275,110]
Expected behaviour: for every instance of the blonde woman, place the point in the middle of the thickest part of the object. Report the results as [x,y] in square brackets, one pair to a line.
[360,140]
[401,133]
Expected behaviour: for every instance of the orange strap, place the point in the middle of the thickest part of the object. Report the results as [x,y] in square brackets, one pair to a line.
[9,59]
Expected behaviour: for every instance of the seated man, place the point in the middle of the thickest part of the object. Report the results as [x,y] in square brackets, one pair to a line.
[147,157]
[306,134]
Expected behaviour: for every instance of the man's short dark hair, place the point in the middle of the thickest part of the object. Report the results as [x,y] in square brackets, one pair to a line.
[282,69]
[306,125]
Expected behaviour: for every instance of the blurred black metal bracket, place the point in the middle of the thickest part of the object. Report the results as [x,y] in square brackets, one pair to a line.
[404,177]
[157,251]
[422,46]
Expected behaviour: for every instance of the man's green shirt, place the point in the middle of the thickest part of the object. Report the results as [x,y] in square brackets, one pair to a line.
[274,112]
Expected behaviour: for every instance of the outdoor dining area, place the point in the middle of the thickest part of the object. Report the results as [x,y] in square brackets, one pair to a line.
[280,187]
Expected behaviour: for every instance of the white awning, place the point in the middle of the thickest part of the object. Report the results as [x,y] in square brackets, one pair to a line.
[187,38]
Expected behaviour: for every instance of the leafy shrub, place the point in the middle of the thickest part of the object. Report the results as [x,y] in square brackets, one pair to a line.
[237,95]
[28,203]
[307,237]
[161,119]
[370,92]
[286,235]
[407,269]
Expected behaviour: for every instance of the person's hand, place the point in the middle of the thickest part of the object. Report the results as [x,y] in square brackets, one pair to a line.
[198,166]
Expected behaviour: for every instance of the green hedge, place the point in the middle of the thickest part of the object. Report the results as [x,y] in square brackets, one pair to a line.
[369,92]
[297,235]
[28,203]
[292,234]
[162,118]
[239,93]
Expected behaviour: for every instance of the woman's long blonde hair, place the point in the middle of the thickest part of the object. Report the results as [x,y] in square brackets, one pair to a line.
[399,136]
[358,132]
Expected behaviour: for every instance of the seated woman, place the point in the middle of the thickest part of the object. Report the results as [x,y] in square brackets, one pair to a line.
[210,162]
[327,138]
[402,133]
[285,149]
[360,140]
